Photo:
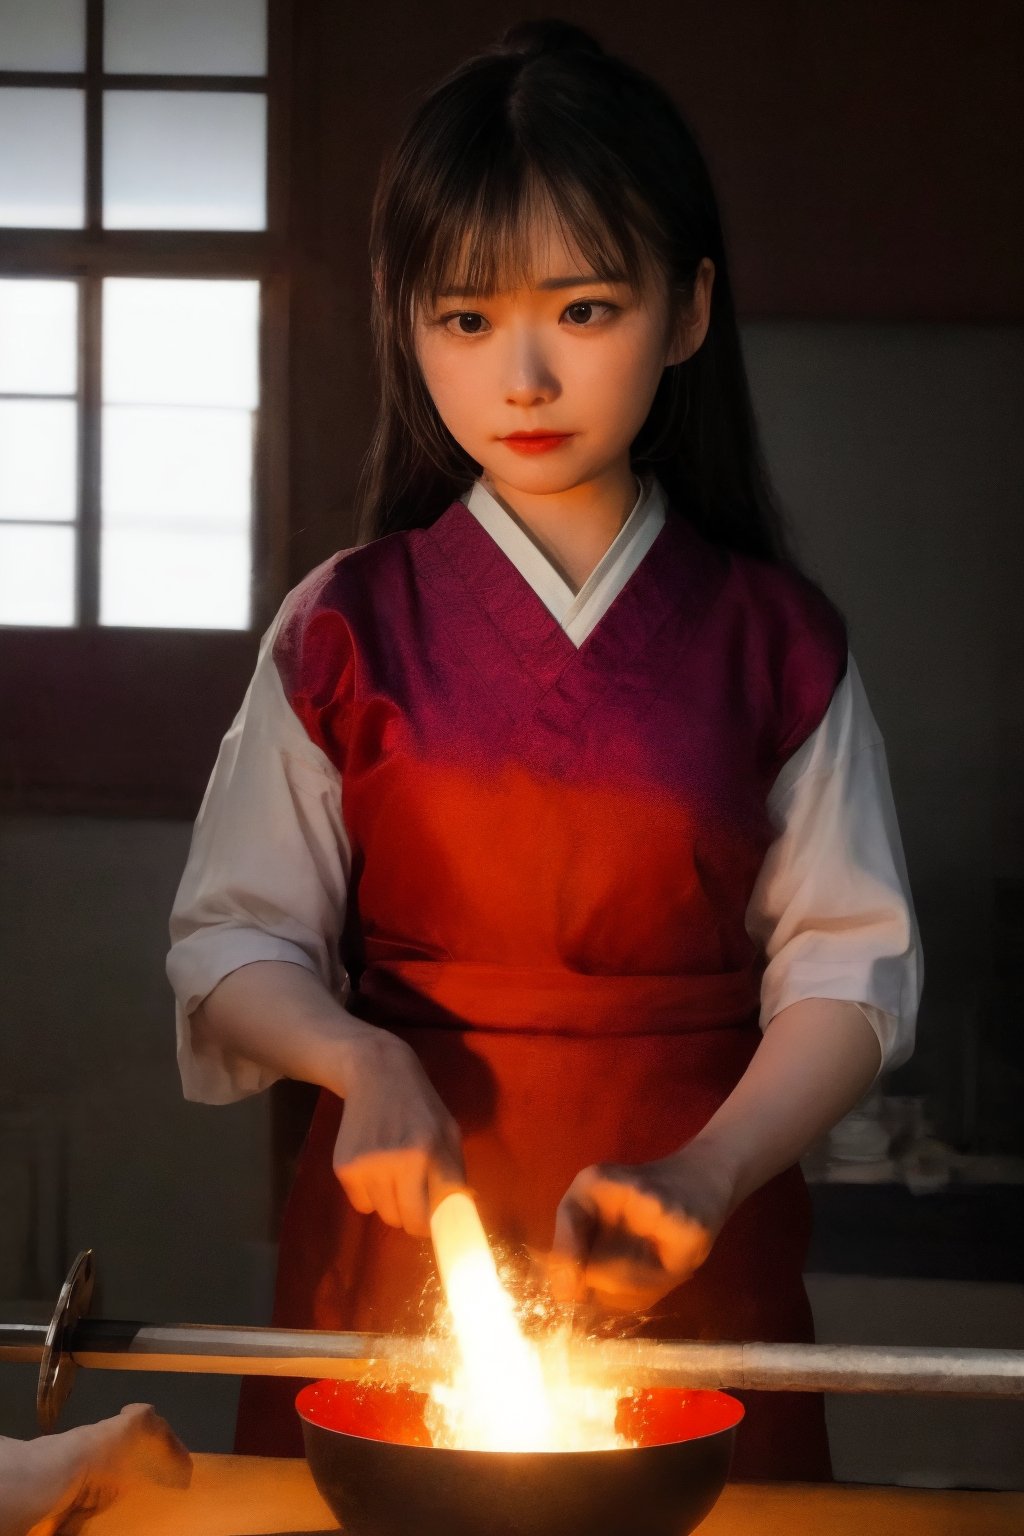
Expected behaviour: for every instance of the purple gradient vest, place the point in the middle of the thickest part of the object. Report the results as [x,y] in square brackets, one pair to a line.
[610,799]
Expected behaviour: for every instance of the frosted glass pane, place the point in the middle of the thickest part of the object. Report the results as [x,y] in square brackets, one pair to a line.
[42,158]
[184,160]
[174,580]
[38,337]
[180,341]
[38,455]
[188,37]
[42,34]
[37,575]
[178,466]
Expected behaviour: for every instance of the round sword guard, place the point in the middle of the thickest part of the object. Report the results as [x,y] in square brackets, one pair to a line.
[56,1368]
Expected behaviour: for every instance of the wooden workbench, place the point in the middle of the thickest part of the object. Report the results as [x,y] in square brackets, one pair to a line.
[261,1496]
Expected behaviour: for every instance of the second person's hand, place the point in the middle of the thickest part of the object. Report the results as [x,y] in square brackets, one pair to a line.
[398,1151]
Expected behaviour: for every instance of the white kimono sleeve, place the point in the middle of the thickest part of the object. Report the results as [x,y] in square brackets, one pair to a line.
[831,906]
[266,878]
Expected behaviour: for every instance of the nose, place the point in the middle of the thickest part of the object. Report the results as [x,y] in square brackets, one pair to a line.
[529,376]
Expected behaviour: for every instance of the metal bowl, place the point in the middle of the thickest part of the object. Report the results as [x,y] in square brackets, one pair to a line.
[372,1460]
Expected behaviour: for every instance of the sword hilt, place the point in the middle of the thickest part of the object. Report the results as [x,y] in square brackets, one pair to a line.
[56,1367]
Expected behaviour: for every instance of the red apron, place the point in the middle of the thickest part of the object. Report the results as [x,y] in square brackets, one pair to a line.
[553,851]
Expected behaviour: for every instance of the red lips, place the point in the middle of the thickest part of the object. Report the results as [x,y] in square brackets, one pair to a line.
[536,442]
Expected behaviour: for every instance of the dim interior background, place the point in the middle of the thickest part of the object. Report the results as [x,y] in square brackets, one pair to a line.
[867,166]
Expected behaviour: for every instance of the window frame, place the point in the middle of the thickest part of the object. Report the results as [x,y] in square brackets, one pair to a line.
[129,673]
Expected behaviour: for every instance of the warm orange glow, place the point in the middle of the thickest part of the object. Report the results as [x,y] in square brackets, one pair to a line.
[508,1394]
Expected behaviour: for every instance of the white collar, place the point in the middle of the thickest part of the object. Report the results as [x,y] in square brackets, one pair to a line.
[576,612]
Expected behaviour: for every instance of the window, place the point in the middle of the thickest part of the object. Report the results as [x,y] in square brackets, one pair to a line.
[143,316]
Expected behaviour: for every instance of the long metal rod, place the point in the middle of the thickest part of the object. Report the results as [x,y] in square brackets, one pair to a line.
[235,1351]
[814,1367]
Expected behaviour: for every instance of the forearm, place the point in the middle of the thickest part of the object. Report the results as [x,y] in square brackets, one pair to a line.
[814,1063]
[283,1017]
[817,1059]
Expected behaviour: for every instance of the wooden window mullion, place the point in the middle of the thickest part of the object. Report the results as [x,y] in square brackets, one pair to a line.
[270,521]
[90,335]
[89,441]
[94,115]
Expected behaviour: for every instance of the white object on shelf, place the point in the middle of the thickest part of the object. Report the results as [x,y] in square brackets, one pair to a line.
[860,1141]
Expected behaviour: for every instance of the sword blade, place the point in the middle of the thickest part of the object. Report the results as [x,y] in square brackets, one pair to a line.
[237,1351]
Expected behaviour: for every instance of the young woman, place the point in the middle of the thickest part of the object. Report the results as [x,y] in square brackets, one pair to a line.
[554,839]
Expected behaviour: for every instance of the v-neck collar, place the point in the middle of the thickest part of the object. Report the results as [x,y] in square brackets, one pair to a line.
[674,584]
[576,612]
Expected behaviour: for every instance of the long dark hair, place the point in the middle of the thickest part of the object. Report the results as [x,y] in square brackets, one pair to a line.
[546,116]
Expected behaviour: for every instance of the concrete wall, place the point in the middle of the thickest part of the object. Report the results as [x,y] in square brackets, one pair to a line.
[97,1147]
[897,451]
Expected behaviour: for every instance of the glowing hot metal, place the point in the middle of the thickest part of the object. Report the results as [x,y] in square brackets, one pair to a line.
[499,1400]
[510,1394]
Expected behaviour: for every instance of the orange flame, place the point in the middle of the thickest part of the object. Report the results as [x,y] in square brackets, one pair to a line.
[509,1394]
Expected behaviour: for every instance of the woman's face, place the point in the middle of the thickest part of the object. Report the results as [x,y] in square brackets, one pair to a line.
[573,352]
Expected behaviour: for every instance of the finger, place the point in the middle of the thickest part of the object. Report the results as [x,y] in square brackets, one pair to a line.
[575,1228]
[356,1190]
[575,1219]
[620,1268]
[413,1199]
[619,1245]
[686,1247]
[642,1213]
[617,1201]
[680,1240]
[617,1299]
[446,1175]
[622,1265]
[384,1195]
[597,1196]
[634,1267]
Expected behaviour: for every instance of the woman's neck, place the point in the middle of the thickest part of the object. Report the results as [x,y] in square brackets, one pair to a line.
[574,528]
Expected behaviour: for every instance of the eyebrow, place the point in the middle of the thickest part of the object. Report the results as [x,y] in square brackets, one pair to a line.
[580,280]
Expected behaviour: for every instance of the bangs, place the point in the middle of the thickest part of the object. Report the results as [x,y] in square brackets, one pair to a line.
[496,153]
[481,242]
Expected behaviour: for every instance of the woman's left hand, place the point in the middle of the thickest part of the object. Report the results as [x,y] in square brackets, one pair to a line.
[627,1235]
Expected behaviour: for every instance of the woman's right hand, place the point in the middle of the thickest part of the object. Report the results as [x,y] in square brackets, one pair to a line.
[399,1151]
